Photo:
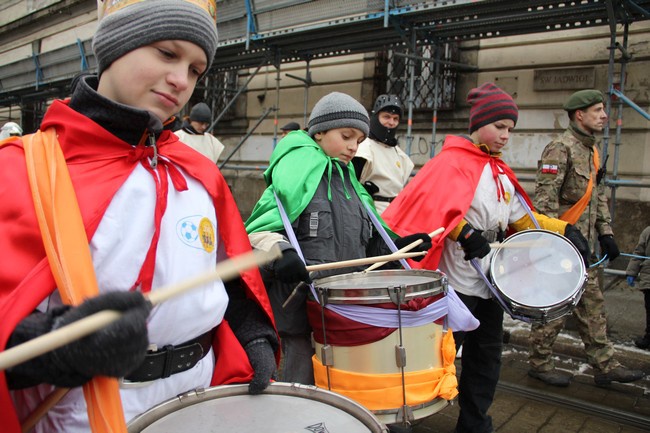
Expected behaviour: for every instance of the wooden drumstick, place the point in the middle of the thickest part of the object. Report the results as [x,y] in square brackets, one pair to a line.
[294,296]
[363,261]
[47,404]
[225,270]
[409,247]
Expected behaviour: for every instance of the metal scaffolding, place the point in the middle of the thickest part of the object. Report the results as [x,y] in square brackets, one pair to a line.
[257,33]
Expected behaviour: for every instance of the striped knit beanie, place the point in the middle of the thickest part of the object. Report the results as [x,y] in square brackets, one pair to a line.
[143,22]
[338,110]
[489,104]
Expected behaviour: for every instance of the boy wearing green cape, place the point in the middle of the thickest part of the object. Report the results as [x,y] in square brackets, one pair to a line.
[328,210]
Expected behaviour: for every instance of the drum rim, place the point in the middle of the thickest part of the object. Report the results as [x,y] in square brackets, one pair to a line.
[380,272]
[575,291]
[310,392]
[377,295]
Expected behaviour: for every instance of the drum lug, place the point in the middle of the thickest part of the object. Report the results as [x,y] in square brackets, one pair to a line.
[323,295]
[397,294]
[400,356]
[405,415]
[327,355]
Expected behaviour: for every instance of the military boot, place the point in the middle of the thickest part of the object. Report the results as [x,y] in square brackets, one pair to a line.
[552,377]
[643,342]
[618,374]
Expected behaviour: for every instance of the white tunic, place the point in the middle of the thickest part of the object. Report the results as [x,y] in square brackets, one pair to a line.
[207,144]
[388,167]
[118,250]
[485,213]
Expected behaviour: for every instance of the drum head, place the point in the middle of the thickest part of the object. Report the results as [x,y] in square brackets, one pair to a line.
[544,272]
[371,287]
[282,408]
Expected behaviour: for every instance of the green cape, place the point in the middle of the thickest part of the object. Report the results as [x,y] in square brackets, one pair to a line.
[296,167]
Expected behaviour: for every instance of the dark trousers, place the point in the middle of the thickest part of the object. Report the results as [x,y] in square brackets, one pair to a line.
[480,365]
[646,297]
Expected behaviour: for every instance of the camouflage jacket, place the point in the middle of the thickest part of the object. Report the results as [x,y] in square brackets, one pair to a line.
[562,177]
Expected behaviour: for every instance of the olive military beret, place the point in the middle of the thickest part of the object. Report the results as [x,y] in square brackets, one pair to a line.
[583,99]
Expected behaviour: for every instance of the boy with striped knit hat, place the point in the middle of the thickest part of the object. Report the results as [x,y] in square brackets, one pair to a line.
[471,191]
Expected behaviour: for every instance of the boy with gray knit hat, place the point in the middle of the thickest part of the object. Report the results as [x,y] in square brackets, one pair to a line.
[326,207]
[135,212]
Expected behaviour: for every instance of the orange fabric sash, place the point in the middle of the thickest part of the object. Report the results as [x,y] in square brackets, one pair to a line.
[573,214]
[69,257]
[384,391]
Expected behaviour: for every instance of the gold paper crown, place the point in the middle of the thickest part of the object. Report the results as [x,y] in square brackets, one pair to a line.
[106,7]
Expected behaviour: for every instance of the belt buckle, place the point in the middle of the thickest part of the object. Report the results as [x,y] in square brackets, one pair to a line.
[127,384]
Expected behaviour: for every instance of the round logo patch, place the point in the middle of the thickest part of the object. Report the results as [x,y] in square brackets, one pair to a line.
[206,234]
[197,232]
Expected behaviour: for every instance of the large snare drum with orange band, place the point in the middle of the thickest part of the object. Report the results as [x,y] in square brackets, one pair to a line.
[401,374]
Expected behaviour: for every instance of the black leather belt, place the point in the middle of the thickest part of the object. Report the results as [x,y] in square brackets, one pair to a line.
[380,198]
[170,359]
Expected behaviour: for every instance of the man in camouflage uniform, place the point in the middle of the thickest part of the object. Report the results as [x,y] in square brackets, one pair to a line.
[563,178]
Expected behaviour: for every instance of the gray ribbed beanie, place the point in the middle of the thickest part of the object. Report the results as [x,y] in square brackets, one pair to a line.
[338,110]
[201,113]
[150,21]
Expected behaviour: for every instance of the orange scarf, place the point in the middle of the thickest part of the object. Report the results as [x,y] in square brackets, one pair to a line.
[66,245]
[575,212]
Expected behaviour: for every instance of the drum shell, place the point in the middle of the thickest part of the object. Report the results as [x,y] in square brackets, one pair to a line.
[541,282]
[281,407]
[422,344]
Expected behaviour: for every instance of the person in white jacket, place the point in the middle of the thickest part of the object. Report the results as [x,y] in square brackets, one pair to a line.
[380,165]
[193,133]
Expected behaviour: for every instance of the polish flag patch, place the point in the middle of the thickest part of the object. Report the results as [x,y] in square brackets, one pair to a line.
[549,168]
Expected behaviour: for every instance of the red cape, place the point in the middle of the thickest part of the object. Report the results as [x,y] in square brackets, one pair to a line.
[99,163]
[440,194]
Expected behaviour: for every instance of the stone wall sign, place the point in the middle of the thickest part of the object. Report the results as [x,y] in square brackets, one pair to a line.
[563,79]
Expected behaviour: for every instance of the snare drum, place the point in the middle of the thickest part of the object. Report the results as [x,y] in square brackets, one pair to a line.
[377,360]
[281,408]
[541,281]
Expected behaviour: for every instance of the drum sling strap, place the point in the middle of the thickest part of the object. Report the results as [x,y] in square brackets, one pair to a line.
[387,390]
[66,246]
[458,316]
[575,212]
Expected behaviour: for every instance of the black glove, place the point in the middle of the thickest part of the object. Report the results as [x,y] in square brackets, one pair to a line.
[579,241]
[114,351]
[371,187]
[262,359]
[290,268]
[474,245]
[258,337]
[608,246]
[424,246]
